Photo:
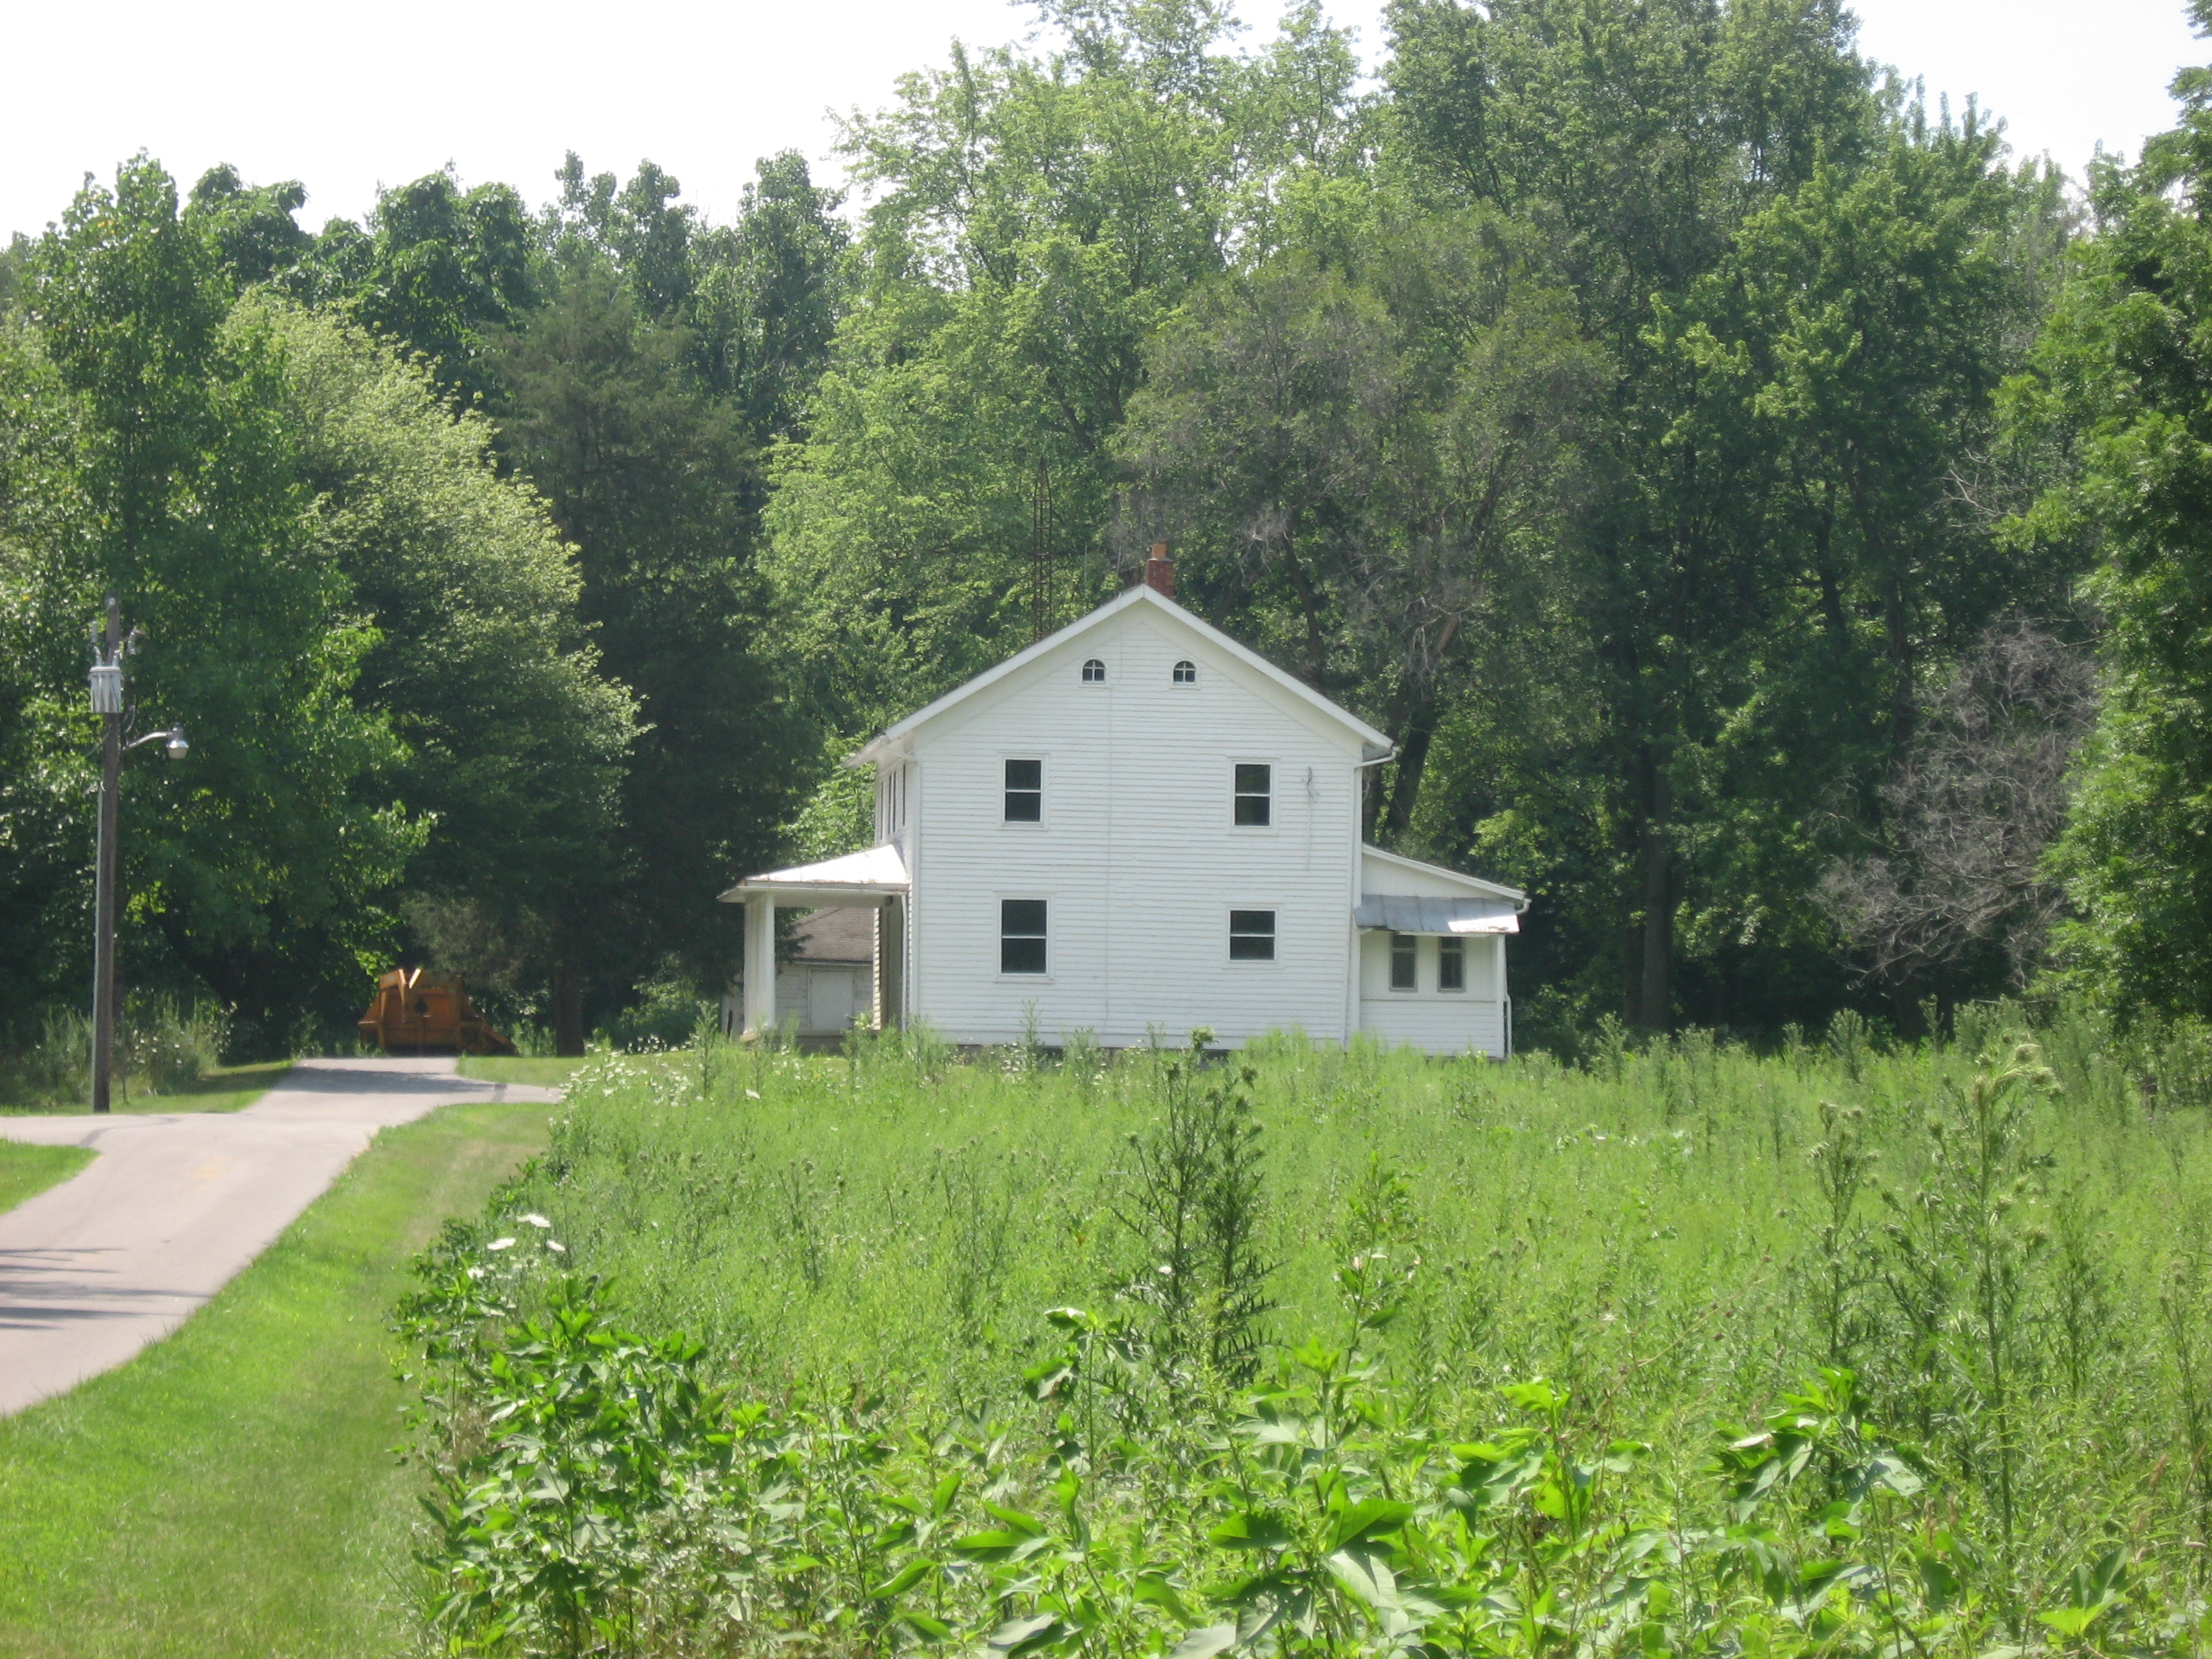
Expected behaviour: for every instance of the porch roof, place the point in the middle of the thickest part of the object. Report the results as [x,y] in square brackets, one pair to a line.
[1408,913]
[865,878]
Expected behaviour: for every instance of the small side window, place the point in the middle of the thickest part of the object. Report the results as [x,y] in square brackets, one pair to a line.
[1094,671]
[1024,792]
[1186,673]
[1021,936]
[1402,959]
[1451,963]
[1251,935]
[1255,795]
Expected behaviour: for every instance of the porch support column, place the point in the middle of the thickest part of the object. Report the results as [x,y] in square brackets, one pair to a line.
[760,963]
[890,964]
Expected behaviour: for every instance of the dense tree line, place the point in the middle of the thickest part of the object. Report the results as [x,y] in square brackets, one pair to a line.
[1608,411]
[1678,438]
[442,532]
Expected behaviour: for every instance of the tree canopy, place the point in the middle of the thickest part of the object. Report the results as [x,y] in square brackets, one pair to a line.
[1651,414]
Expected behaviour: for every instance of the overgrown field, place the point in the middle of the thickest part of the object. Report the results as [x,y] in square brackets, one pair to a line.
[1687,1350]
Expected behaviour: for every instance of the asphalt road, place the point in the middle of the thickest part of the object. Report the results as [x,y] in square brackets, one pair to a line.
[119,1255]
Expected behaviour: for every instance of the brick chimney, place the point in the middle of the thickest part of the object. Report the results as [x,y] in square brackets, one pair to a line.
[1159,571]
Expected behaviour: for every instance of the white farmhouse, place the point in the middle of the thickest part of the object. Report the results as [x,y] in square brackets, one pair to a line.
[1135,827]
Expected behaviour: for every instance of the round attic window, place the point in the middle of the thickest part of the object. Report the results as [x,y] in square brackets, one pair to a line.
[1186,673]
[1094,671]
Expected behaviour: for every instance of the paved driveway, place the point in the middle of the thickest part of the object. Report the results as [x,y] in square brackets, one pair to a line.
[116,1258]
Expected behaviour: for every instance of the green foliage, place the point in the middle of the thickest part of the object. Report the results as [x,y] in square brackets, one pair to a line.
[768,294]
[868,1250]
[1191,1198]
[252,226]
[958,1409]
[1036,216]
[516,739]
[1598,413]
[2120,387]
[1808,295]
[258,863]
[596,1441]
[1373,467]
[437,270]
[1607,405]
[636,362]
[644,471]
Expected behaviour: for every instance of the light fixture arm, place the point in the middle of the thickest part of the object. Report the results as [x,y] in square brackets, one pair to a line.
[173,734]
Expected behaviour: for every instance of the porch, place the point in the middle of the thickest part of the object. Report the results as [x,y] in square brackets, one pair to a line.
[874,880]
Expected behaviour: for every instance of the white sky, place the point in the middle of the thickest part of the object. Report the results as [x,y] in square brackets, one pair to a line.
[348,97]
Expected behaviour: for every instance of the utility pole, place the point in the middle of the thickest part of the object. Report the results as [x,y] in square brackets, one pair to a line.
[109,648]
[1043,614]
[108,703]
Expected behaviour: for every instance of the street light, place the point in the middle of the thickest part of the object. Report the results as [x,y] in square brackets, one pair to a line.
[107,678]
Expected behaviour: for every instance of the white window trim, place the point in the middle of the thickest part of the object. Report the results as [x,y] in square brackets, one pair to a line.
[1245,964]
[1274,823]
[1173,679]
[998,937]
[1044,793]
[1105,671]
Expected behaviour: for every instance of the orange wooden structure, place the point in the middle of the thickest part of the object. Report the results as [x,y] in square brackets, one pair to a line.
[415,1013]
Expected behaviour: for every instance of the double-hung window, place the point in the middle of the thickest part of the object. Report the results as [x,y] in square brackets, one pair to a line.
[1403,960]
[1021,936]
[1251,935]
[1451,963]
[1024,792]
[1255,795]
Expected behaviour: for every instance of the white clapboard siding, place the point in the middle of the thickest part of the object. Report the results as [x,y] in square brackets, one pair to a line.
[1138,857]
[1390,872]
[1471,1027]
[1441,1022]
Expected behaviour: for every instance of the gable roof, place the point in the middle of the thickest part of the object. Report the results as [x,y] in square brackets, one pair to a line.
[875,748]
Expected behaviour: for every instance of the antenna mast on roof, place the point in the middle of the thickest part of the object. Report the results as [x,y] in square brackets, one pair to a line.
[1043,612]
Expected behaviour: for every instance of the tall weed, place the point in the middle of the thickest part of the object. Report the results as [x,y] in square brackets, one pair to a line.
[1949,1319]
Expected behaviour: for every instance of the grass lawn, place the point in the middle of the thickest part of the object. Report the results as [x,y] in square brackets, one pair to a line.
[27,1171]
[231,1491]
[538,1071]
[223,1089]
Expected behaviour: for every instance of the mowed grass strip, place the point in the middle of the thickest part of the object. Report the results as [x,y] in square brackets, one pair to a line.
[537,1071]
[231,1491]
[223,1089]
[27,1171]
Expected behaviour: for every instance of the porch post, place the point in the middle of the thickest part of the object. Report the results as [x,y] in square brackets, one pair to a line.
[890,964]
[760,963]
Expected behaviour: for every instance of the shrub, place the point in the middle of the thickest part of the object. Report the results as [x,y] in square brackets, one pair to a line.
[162,1045]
